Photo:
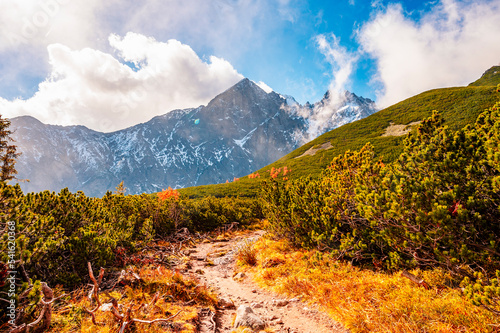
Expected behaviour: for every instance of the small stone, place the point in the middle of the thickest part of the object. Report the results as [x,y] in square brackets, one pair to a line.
[254,291]
[246,317]
[239,276]
[256,305]
[277,322]
[279,302]
[226,303]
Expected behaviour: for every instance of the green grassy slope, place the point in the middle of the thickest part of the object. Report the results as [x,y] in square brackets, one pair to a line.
[489,78]
[459,106]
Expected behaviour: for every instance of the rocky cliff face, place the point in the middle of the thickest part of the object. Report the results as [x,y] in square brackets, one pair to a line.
[238,132]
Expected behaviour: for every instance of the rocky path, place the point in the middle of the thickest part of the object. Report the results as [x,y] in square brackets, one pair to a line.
[213,263]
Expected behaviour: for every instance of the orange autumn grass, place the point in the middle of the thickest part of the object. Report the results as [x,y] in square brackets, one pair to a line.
[366,301]
[176,294]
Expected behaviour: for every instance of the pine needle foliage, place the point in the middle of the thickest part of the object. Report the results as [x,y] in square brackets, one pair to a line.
[8,153]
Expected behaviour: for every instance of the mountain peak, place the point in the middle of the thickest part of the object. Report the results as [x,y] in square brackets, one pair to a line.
[241,130]
[246,84]
[246,91]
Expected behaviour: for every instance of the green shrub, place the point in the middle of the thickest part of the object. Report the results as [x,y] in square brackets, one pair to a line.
[437,205]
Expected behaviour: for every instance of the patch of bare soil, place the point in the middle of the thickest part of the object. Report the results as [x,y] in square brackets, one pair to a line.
[214,264]
[313,150]
[399,130]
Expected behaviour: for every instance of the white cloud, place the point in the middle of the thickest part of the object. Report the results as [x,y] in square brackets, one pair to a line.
[95,89]
[449,46]
[27,27]
[264,86]
[340,59]
[342,63]
[332,110]
[31,23]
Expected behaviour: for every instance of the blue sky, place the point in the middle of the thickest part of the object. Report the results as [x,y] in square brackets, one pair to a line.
[111,64]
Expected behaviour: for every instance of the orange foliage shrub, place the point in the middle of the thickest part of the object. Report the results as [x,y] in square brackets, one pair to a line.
[167,194]
[275,172]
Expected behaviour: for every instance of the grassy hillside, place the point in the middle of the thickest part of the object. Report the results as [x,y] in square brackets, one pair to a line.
[489,78]
[459,106]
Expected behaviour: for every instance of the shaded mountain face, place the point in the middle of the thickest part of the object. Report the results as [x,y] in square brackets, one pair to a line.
[239,131]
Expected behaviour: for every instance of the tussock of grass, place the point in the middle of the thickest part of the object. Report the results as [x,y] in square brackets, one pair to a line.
[247,254]
[367,301]
[176,294]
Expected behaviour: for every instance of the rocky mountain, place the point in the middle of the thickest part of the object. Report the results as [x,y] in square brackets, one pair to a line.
[238,132]
[334,110]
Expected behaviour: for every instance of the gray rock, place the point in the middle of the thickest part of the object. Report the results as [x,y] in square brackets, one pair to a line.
[247,318]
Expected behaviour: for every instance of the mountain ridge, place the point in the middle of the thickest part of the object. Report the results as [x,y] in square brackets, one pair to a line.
[459,107]
[239,131]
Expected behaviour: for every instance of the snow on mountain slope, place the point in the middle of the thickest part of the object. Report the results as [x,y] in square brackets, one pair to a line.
[239,131]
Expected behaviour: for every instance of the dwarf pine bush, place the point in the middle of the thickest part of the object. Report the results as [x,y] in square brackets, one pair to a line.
[435,206]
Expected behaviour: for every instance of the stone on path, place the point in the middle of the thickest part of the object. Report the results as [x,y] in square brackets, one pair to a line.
[246,317]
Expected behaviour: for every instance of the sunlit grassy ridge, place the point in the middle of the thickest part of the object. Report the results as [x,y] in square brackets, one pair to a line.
[489,78]
[459,106]
[364,300]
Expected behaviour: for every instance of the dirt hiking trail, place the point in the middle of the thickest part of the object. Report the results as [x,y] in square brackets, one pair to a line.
[214,264]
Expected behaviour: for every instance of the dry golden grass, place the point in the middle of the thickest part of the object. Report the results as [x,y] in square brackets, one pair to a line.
[242,329]
[247,254]
[176,294]
[367,301]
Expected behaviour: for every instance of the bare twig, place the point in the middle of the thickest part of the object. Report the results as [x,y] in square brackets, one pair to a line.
[415,279]
[95,288]
[155,320]
[213,322]
[153,301]
[92,313]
